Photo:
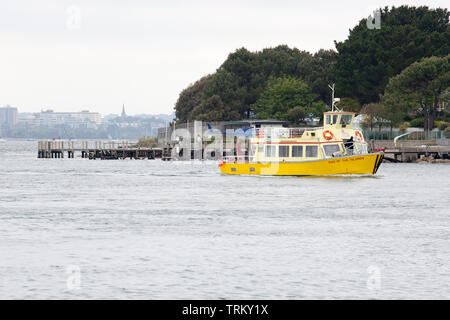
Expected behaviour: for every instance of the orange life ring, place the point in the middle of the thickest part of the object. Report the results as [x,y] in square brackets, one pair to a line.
[328,135]
[358,135]
[260,133]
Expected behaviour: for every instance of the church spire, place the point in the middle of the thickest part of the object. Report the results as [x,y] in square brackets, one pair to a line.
[124,115]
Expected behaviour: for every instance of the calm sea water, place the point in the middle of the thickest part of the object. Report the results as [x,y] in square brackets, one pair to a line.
[80,229]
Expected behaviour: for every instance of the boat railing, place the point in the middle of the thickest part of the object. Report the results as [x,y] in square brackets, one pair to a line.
[238,159]
[281,132]
[356,148]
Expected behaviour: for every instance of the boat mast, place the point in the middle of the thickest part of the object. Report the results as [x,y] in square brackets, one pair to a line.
[332,96]
[334,100]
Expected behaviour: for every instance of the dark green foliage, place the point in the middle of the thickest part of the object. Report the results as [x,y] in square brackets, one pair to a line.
[284,94]
[322,73]
[361,68]
[296,115]
[190,98]
[349,104]
[417,123]
[447,132]
[441,125]
[421,88]
[242,78]
[212,109]
[369,57]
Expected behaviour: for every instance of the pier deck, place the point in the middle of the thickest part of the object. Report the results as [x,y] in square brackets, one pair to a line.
[407,154]
[88,149]
[412,150]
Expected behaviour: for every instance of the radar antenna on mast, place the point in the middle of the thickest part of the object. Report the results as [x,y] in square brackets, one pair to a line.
[333,99]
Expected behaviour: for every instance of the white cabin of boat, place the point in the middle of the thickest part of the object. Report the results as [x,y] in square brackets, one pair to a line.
[338,137]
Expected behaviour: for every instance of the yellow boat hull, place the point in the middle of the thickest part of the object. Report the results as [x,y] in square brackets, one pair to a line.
[358,164]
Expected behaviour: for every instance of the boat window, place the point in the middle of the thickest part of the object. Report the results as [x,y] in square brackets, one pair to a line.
[331,118]
[252,150]
[297,151]
[346,119]
[283,151]
[335,118]
[311,151]
[260,147]
[270,151]
[330,149]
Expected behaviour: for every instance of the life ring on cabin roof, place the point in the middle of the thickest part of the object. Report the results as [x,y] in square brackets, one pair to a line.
[328,135]
[358,135]
[260,133]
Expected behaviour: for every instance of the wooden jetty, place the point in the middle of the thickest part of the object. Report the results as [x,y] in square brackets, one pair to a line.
[408,154]
[88,149]
[412,150]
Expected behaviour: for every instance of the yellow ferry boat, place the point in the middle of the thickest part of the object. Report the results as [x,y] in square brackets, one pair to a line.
[338,148]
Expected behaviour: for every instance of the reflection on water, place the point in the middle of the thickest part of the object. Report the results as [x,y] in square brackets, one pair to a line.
[73,228]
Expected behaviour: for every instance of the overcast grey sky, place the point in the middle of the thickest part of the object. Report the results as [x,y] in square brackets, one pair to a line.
[97,55]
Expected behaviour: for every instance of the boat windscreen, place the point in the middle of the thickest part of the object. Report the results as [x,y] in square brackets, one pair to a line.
[330,149]
[346,119]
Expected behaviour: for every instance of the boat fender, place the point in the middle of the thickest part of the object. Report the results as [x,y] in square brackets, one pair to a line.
[328,135]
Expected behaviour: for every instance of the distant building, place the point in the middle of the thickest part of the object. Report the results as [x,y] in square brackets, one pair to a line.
[108,117]
[124,114]
[8,116]
[50,118]
[29,119]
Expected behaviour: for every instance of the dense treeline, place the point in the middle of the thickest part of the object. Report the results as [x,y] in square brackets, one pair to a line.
[287,83]
[421,89]
[369,57]
[231,92]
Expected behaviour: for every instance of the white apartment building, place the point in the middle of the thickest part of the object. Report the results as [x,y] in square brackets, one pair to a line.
[49,118]
[29,119]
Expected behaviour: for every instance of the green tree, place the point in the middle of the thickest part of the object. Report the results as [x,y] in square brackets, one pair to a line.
[242,78]
[248,72]
[369,57]
[349,104]
[419,88]
[296,115]
[213,108]
[373,114]
[283,94]
[322,73]
[190,98]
